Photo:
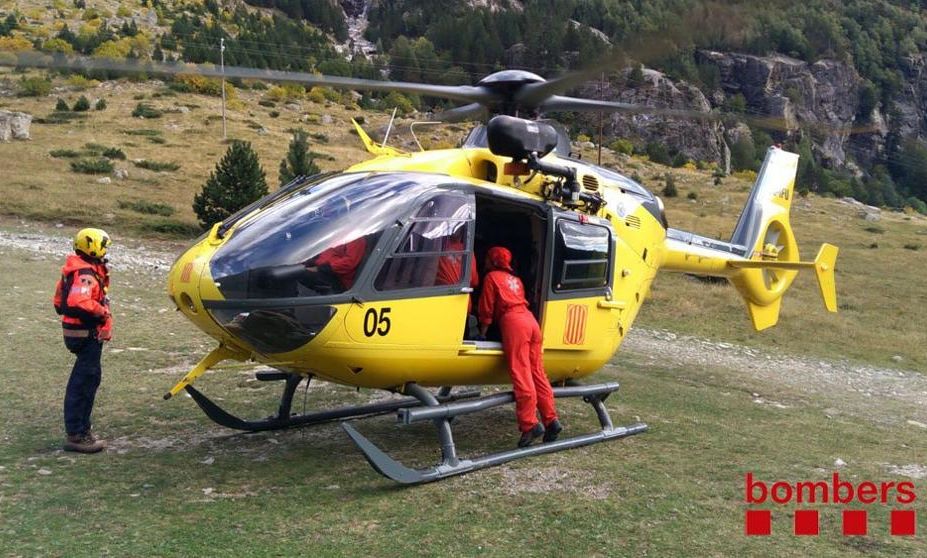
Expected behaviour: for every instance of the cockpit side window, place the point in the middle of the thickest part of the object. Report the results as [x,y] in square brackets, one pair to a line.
[434,248]
[315,242]
[581,256]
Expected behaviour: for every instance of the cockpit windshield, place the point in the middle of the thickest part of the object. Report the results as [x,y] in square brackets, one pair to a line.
[315,241]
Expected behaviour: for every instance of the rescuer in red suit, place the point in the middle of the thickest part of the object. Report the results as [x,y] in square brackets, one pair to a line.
[340,262]
[503,301]
[450,268]
[80,300]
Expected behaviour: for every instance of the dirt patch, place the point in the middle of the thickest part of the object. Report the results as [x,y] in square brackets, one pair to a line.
[912,470]
[839,380]
[545,480]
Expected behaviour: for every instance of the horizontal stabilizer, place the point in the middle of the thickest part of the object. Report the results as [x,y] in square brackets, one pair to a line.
[823,266]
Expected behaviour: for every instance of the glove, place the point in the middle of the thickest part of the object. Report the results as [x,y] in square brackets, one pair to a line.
[105,333]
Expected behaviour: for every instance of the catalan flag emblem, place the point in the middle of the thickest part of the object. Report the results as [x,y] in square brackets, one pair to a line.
[575,331]
[185,274]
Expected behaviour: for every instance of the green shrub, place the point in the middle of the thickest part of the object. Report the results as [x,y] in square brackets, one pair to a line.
[692,195]
[267,103]
[274,113]
[59,118]
[622,146]
[156,140]
[114,153]
[917,205]
[658,153]
[82,104]
[147,207]
[64,153]
[92,166]
[61,105]
[669,187]
[679,160]
[144,110]
[319,137]
[874,229]
[101,104]
[142,132]
[912,246]
[156,166]
[34,87]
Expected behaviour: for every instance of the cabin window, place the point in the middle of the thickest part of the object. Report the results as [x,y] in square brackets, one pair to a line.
[581,256]
[433,250]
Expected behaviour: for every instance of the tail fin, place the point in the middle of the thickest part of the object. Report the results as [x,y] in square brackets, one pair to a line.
[762,259]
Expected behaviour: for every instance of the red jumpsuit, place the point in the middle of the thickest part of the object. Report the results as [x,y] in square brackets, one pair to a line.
[450,269]
[343,260]
[503,301]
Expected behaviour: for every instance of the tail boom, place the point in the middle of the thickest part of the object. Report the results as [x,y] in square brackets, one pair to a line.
[762,259]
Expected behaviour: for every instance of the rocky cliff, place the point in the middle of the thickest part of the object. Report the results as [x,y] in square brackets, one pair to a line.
[786,94]
[697,139]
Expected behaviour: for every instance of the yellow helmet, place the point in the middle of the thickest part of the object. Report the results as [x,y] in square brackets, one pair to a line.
[91,242]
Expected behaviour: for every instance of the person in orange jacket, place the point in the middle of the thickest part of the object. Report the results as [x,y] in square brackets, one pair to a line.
[503,301]
[341,262]
[86,321]
[450,268]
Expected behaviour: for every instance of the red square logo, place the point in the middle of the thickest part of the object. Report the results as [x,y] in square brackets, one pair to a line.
[806,522]
[855,523]
[903,522]
[758,522]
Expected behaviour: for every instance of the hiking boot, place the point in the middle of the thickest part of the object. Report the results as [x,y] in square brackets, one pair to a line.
[92,437]
[552,430]
[527,437]
[83,443]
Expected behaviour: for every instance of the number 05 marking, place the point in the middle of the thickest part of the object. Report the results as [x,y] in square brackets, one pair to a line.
[377,323]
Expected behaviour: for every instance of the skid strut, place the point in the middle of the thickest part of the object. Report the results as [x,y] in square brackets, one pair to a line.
[443,413]
[285,419]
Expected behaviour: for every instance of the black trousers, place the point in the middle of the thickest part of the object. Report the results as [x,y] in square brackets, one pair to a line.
[83,384]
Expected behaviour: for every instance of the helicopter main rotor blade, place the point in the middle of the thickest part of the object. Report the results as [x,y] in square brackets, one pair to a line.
[473,111]
[464,93]
[561,103]
[535,94]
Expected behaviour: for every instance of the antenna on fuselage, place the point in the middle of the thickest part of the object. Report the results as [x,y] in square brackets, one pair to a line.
[389,127]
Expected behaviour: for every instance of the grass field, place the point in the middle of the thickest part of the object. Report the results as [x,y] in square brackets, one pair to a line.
[174,484]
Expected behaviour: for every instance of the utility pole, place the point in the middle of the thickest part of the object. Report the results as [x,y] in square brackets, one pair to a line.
[601,97]
[222,67]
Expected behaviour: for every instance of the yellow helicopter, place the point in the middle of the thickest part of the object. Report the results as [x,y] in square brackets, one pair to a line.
[588,243]
[343,276]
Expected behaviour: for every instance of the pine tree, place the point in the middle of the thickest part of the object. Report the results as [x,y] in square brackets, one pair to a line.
[298,160]
[81,104]
[237,181]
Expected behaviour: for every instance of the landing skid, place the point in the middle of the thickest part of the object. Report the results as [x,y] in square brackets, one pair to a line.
[442,414]
[286,419]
